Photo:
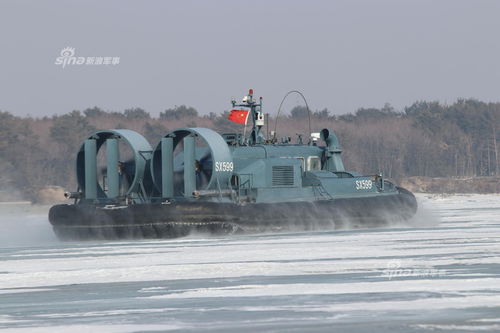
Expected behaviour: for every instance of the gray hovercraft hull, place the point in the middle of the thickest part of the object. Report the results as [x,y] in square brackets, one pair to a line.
[181,218]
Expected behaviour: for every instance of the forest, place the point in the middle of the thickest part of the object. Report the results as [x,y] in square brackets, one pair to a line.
[428,139]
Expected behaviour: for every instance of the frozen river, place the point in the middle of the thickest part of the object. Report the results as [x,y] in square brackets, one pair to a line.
[443,274]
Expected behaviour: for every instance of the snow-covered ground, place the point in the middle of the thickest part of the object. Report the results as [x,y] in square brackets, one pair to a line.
[442,274]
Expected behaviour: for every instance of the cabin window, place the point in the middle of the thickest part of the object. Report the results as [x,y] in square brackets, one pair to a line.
[313,163]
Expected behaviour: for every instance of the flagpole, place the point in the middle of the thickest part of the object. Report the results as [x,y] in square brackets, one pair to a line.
[245,128]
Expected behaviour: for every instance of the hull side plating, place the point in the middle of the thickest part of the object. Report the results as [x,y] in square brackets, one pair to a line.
[180,219]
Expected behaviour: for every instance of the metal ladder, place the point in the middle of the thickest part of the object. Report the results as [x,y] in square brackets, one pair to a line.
[323,192]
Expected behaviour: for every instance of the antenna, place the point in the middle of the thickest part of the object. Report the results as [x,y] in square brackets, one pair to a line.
[281,104]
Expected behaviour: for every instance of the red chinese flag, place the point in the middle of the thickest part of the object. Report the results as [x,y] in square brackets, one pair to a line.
[238,116]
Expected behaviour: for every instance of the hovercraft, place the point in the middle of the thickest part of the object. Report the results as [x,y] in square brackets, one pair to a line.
[196,180]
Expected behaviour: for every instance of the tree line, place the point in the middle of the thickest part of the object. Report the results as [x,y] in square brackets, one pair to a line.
[424,139]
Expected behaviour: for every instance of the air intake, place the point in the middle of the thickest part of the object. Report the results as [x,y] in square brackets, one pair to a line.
[283,175]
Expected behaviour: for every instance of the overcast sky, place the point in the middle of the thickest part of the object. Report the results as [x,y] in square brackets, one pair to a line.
[341,54]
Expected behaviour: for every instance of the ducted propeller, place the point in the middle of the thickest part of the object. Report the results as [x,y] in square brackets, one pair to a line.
[188,160]
[99,159]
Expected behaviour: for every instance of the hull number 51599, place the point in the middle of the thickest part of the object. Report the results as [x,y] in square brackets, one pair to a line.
[365,184]
[223,166]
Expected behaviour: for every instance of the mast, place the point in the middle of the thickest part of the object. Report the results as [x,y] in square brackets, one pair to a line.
[256,136]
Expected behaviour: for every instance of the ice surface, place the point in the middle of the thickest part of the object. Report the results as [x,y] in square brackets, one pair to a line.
[440,274]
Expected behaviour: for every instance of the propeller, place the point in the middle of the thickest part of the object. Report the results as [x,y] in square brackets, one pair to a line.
[204,170]
[126,172]
[203,165]
[207,151]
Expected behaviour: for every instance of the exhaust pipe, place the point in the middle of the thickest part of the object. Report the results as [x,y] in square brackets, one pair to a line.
[333,159]
[73,195]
